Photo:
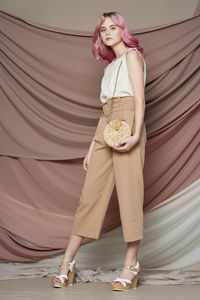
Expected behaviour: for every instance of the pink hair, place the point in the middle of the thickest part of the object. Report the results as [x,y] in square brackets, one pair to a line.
[100,50]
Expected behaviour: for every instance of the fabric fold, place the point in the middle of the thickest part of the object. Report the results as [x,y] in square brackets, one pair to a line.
[50,102]
[50,106]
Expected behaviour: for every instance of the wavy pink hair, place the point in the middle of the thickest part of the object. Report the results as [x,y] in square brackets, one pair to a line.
[100,50]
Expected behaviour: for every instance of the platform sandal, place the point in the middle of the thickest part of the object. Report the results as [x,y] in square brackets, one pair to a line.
[69,277]
[132,283]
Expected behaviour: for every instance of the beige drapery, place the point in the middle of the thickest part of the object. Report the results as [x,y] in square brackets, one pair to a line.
[49,111]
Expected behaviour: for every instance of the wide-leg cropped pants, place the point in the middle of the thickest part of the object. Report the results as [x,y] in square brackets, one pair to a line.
[108,167]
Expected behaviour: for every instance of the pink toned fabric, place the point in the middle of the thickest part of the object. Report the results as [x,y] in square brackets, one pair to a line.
[52,90]
[49,111]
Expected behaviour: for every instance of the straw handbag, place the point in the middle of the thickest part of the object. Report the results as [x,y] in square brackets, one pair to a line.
[117,129]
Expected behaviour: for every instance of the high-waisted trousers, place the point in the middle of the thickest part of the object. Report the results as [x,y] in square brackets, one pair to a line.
[108,167]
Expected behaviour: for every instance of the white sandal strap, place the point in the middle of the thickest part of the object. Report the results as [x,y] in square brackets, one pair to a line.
[71,264]
[123,281]
[133,268]
[61,277]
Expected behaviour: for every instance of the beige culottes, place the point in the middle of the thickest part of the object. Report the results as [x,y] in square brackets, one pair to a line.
[108,167]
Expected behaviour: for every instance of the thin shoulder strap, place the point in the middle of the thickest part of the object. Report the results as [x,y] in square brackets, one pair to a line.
[117,78]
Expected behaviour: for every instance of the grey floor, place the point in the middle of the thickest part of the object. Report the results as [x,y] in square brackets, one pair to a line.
[40,288]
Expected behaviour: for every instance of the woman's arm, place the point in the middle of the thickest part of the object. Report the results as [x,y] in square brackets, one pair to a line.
[91,146]
[87,157]
[136,76]
[92,143]
[135,70]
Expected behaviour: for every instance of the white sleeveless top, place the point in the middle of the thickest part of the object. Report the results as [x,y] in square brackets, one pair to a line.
[123,86]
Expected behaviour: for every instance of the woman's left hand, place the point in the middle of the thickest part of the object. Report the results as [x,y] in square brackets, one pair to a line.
[127,144]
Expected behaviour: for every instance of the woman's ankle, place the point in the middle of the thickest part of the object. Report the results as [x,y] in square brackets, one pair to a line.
[131,262]
[68,258]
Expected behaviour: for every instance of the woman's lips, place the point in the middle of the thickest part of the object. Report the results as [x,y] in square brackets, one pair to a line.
[108,39]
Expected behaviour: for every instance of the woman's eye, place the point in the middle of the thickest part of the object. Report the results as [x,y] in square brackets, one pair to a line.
[102,30]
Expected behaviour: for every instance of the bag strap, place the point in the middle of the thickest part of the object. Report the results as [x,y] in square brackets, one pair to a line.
[118,122]
[116,79]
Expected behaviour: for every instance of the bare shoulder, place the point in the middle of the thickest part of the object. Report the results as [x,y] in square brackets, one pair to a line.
[133,57]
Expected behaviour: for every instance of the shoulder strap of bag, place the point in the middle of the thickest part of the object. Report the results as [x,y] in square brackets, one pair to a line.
[116,79]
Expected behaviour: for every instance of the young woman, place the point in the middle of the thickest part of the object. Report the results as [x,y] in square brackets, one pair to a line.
[122,96]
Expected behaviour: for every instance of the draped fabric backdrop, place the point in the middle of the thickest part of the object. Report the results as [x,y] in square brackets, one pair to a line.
[50,106]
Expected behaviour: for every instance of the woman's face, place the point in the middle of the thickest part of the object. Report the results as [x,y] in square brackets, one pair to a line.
[110,33]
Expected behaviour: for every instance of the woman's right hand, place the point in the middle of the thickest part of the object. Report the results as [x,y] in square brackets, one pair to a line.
[87,158]
[86,161]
